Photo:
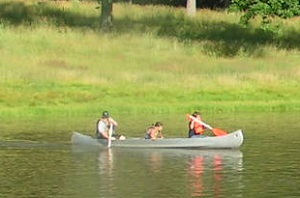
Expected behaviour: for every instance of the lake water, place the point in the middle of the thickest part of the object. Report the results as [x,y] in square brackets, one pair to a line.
[267,165]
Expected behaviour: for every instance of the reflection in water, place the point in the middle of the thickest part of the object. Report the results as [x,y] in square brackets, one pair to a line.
[157,172]
[196,170]
[217,174]
[106,162]
[200,167]
[155,162]
[106,168]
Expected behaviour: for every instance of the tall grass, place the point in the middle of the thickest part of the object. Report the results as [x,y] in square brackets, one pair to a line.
[55,61]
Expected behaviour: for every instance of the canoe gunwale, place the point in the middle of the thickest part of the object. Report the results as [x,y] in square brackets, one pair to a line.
[229,141]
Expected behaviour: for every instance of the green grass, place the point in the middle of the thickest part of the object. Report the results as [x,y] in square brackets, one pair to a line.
[55,62]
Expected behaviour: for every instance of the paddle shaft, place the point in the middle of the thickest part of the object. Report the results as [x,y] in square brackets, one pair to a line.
[110,135]
[200,122]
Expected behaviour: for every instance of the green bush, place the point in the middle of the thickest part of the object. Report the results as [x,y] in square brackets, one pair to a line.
[266,8]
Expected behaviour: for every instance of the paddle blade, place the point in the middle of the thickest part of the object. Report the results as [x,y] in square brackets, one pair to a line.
[219,132]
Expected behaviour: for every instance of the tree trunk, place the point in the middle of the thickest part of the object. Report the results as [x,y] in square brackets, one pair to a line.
[106,15]
[191,7]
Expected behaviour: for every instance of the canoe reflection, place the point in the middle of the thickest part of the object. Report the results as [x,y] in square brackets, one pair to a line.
[200,172]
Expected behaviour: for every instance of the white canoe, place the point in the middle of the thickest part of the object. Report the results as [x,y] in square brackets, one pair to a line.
[231,140]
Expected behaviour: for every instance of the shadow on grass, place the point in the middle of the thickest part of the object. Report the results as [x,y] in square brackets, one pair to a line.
[18,13]
[218,38]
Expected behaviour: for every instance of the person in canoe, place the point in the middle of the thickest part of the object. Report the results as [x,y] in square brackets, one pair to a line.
[196,129]
[103,125]
[155,131]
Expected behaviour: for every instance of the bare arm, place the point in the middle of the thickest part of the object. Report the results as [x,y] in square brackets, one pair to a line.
[161,134]
[192,125]
[112,121]
[105,135]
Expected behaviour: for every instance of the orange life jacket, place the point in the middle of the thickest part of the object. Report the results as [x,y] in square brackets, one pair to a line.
[198,129]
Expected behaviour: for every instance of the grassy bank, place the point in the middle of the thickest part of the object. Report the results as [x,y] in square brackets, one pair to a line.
[55,62]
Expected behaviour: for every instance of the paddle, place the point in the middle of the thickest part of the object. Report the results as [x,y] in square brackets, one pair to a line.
[216,131]
[109,135]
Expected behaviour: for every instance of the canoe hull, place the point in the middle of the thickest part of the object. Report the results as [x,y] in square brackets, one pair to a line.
[232,140]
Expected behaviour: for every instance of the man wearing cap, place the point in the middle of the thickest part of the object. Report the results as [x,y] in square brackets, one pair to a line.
[103,125]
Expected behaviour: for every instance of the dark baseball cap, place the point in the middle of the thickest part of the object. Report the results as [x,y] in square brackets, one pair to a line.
[105,114]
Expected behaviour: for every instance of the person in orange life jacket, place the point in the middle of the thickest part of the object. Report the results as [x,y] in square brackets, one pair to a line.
[155,131]
[103,125]
[196,129]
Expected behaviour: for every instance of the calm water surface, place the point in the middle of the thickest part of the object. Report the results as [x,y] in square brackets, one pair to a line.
[267,165]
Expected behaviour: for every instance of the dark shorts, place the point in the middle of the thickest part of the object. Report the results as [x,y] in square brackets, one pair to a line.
[147,136]
[193,135]
[100,136]
[198,136]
